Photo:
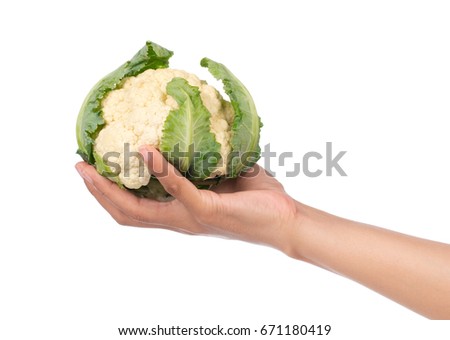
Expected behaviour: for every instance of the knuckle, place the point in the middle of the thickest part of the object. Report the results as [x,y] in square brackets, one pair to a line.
[136,218]
[172,188]
[121,220]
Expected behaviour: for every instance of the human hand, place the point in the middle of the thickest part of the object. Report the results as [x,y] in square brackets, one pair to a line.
[253,207]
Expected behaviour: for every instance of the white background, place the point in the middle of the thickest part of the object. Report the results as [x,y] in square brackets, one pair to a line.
[371,77]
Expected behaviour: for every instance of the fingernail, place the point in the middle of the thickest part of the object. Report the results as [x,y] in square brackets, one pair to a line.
[143,150]
[146,152]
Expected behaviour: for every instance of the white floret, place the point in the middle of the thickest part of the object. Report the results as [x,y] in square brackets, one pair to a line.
[135,115]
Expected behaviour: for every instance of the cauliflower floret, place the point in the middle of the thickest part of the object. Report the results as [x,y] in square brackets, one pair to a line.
[135,116]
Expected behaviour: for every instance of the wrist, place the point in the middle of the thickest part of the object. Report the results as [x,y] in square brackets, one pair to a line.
[305,232]
[295,229]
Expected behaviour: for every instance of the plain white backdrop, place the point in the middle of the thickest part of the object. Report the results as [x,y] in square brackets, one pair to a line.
[373,78]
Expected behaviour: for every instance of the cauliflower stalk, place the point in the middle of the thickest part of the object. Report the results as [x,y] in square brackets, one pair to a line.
[144,102]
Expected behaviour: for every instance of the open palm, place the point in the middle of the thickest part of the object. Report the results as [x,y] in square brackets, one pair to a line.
[253,207]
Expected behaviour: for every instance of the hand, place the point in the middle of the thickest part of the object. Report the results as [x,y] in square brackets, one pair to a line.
[253,207]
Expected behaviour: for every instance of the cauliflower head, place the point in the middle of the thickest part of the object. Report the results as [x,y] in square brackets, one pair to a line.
[144,102]
[135,114]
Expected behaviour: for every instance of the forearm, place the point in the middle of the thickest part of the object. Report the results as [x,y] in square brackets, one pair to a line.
[411,271]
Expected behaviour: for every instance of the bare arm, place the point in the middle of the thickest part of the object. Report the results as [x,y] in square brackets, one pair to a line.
[411,271]
[255,208]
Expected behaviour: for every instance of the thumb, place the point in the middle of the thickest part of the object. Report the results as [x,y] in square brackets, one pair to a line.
[170,178]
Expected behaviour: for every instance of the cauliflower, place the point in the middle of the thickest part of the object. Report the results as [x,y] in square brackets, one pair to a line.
[136,113]
[144,102]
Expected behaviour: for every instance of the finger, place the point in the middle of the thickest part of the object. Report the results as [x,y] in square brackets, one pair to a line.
[257,178]
[124,219]
[227,186]
[245,181]
[104,201]
[172,181]
[115,212]
[126,202]
[255,171]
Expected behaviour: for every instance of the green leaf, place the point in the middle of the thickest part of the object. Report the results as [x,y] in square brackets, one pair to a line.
[187,140]
[103,168]
[246,124]
[90,120]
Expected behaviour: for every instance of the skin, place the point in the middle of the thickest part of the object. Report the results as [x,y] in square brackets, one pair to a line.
[255,208]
